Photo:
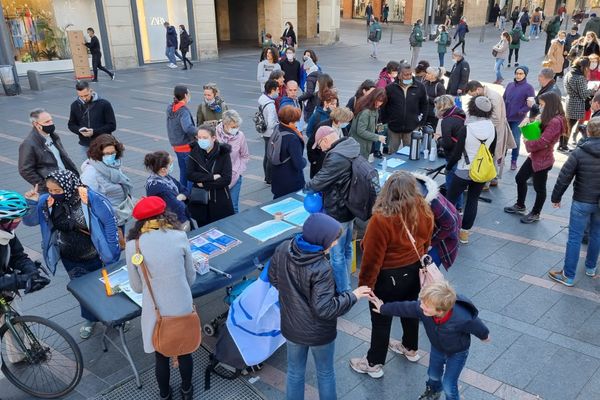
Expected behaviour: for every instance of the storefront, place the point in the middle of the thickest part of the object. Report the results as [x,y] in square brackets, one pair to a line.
[38,31]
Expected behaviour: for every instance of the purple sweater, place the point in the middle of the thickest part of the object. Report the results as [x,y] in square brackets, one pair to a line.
[515,97]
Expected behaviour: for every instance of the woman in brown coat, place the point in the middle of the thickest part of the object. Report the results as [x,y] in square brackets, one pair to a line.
[556,58]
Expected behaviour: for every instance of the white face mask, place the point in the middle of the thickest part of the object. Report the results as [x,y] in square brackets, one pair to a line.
[290,57]
[594,65]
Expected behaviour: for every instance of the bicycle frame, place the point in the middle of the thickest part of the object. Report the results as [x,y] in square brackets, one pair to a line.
[9,313]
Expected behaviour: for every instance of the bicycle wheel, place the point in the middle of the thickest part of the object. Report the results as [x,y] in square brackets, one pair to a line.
[50,365]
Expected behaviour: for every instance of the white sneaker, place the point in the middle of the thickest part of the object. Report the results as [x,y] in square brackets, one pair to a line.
[411,355]
[172,65]
[361,365]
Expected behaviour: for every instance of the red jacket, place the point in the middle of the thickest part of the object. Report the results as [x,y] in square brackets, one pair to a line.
[541,151]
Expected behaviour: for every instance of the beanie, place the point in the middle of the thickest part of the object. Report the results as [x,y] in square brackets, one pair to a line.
[149,207]
[483,103]
[523,68]
[321,230]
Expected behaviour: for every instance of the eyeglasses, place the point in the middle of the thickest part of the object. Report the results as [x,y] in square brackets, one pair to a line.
[112,153]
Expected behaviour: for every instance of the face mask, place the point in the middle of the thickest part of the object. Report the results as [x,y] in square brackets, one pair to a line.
[305,58]
[594,65]
[234,131]
[170,169]
[48,129]
[10,226]
[204,143]
[274,96]
[407,81]
[344,125]
[541,110]
[209,101]
[110,159]
[58,197]
[290,57]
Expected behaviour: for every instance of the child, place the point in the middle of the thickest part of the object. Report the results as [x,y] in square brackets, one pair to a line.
[449,322]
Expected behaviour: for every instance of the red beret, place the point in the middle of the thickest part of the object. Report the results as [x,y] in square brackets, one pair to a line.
[149,207]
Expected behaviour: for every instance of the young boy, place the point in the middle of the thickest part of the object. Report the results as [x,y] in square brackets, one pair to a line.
[449,321]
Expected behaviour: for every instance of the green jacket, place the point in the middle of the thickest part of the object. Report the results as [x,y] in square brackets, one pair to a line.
[375,27]
[363,130]
[417,33]
[206,115]
[442,42]
[517,33]
[553,28]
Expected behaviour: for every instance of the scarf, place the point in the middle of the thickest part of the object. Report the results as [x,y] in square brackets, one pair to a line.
[6,237]
[113,174]
[155,179]
[153,225]
[444,319]
[69,182]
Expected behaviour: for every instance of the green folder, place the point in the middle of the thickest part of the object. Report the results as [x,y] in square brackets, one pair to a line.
[532,131]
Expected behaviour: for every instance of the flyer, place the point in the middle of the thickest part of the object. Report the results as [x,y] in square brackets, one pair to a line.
[216,236]
[393,162]
[297,217]
[267,230]
[117,278]
[135,297]
[284,206]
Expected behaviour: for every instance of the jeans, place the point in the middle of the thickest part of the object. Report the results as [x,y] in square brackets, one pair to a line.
[75,269]
[454,365]
[510,53]
[266,163]
[516,131]
[341,258]
[498,68]
[441,56]
[181,161]
[539,185]
[235,194]
[162,371]
[170,53]
[374,53]
[449,177]
[582,214]
[296,368]
[534,30]
[456,189]
[83,152]
[398,284]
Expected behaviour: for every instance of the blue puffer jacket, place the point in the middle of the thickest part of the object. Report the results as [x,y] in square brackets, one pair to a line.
[99,217]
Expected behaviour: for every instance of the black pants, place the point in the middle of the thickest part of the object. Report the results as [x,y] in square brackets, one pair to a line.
[457,187]
[399,284]
[97,65]
[163,372]
[539,185]
[186,60]
[510,53]
[266,163]
[461,41]
[548,43]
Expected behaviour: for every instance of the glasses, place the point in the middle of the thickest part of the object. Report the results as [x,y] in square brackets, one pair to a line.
[112,153]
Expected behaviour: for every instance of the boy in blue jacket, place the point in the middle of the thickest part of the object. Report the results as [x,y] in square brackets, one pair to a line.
[449,321]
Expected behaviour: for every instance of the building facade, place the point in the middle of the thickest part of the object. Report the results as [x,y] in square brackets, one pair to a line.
[131,32]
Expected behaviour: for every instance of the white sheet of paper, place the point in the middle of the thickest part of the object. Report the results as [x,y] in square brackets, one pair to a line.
[405,151]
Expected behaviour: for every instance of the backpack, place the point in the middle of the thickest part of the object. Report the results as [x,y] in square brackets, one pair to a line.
[260,124]
[482,169]
[364,188]
[516,38]
[412,39]
[274,147]
[375,35]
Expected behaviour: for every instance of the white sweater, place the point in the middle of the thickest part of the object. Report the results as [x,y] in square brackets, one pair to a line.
[478,130]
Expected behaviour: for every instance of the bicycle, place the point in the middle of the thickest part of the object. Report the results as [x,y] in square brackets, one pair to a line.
[38,356]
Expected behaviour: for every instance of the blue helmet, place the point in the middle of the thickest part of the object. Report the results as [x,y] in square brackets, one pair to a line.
[12,205]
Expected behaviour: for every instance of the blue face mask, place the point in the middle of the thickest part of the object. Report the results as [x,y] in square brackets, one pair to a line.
[110,160]
[58,197]
[407,81]
[204,143]
[276,95]
[344,125]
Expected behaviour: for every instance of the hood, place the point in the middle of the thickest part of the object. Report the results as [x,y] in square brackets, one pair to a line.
[591,146]
[303,253]
[429,188]
[346,147]
[455,111]
[264,99]
[384,75]
[323,112]
[467,305]
[95,97]
[479,127]
[175,114]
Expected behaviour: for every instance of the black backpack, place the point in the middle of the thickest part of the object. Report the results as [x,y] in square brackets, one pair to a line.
[516,38]
[364,188]
[274,146]
[259,119]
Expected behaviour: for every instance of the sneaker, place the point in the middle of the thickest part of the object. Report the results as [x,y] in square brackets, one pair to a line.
[114,75]
[513,165]
[463,236]
[172,66]
[429,394]
[94,80]
[515,209]
[361,365]
[590,272]
[411,355]
[86,330]
[530,218]
[508,66]
[560,277]
[494,182]
[516,64]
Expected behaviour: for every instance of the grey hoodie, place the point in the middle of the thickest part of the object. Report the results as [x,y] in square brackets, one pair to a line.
[180,126]
[269,112]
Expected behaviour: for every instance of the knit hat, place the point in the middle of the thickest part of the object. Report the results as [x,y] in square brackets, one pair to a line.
[321,230]
[322,132]
[523,68]
[483,103]
[149,207]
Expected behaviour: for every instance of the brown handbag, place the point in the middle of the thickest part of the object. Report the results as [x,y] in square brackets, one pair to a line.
[173,336]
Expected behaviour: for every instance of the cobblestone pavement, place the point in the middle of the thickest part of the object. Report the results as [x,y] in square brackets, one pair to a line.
[545,338]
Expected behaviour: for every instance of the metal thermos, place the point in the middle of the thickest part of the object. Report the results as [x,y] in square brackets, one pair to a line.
[425,142]
[415,145]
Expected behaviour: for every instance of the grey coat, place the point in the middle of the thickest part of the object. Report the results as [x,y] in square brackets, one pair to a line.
[172,271]
[114,192]
[577,93]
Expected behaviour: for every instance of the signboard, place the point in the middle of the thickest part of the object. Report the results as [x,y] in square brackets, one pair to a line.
[79,54]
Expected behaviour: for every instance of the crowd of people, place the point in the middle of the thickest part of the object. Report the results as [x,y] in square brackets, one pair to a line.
[84,206]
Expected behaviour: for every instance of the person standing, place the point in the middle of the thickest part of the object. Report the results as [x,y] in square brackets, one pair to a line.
[494,13]
[173,266]
[552,30]
[185,40]
[266,105]
[434,86]
[338,122]
[209,168]
[290,66]
[583,165]
[461,32]
[397,236]
[536,23]
[290,98]
[524,19]
[94,46]
[387,75]
[171,46]
[181,129]
[328,102]
[310,95]
[369,13]
[541,158]
[385,12]
[364,125]
[516,36]
[415,41]
[514,17]
[289,35]
[459,75]
[42,152]
[267,66]
[210,111]
[515,99]
[572,38]
[310,306]
[547,84]
[501,51]
[578,93]
[555,56]
[374,36]
[228,131]
[443,41]
[593,25]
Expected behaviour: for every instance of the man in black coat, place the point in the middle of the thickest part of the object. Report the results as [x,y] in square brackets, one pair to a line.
[42,151]
[459,75]
[90,116]
[94,46]
[290,66]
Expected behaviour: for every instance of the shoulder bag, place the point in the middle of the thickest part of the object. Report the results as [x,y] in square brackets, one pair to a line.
[198,195]
[173,336]
[428,272]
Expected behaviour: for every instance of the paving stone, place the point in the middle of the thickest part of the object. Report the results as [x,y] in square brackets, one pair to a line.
[589,330]
[530,305]
[469,281]
[568,315]
[482,355]
[499,293]
[540,262]
[472,393]
[509,254]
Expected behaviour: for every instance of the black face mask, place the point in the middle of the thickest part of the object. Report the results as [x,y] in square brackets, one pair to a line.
[48,129]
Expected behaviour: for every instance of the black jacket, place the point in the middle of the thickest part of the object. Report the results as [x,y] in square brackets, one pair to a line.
[98,115]
[13,259]
[404,113]
[288,177]
[433,90]
[201,167]
[583,164]
[452,125]
[184,41]
[94,46]
[171,37]
[36,161]
[311,97]
[292,35]
[316,156]
[459,76]
[309,304]
[550,87]
[291,70]
[334,177]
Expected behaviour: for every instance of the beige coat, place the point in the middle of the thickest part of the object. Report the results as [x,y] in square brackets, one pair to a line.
[556,56]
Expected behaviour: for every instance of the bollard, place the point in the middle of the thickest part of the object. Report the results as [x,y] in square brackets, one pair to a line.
[35,81]
[482,34]
[392,35]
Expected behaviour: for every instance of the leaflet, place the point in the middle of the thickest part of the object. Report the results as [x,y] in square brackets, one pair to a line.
[212,242]
[405,151]
[135,297]
[117,278]
[383,176]
[393,162]
[284,206]
[267,230]
[297,217]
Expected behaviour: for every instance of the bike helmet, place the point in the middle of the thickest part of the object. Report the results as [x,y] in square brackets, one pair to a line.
[12,205]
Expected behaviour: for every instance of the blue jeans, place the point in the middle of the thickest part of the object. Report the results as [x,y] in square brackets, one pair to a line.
[582,214]
[498,68]
[235,194]
[534,30]
[296,368]
[516,131]
[341,258]
[441,55]
[181,160]
[75,269]
[170,53]
[449,177]
[454,365]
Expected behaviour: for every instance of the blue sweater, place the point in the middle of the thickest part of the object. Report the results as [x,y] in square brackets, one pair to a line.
[159,186]
[453,336]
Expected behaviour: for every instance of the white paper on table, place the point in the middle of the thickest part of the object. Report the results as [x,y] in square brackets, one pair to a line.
[135,297]
[393,162]
[268,230]
[297,217]
[383,176]
[405,151]
[301,193]
[118,277]
[284,206]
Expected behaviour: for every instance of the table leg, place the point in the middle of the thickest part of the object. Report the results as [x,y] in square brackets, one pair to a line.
[123,349]
[104,337]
